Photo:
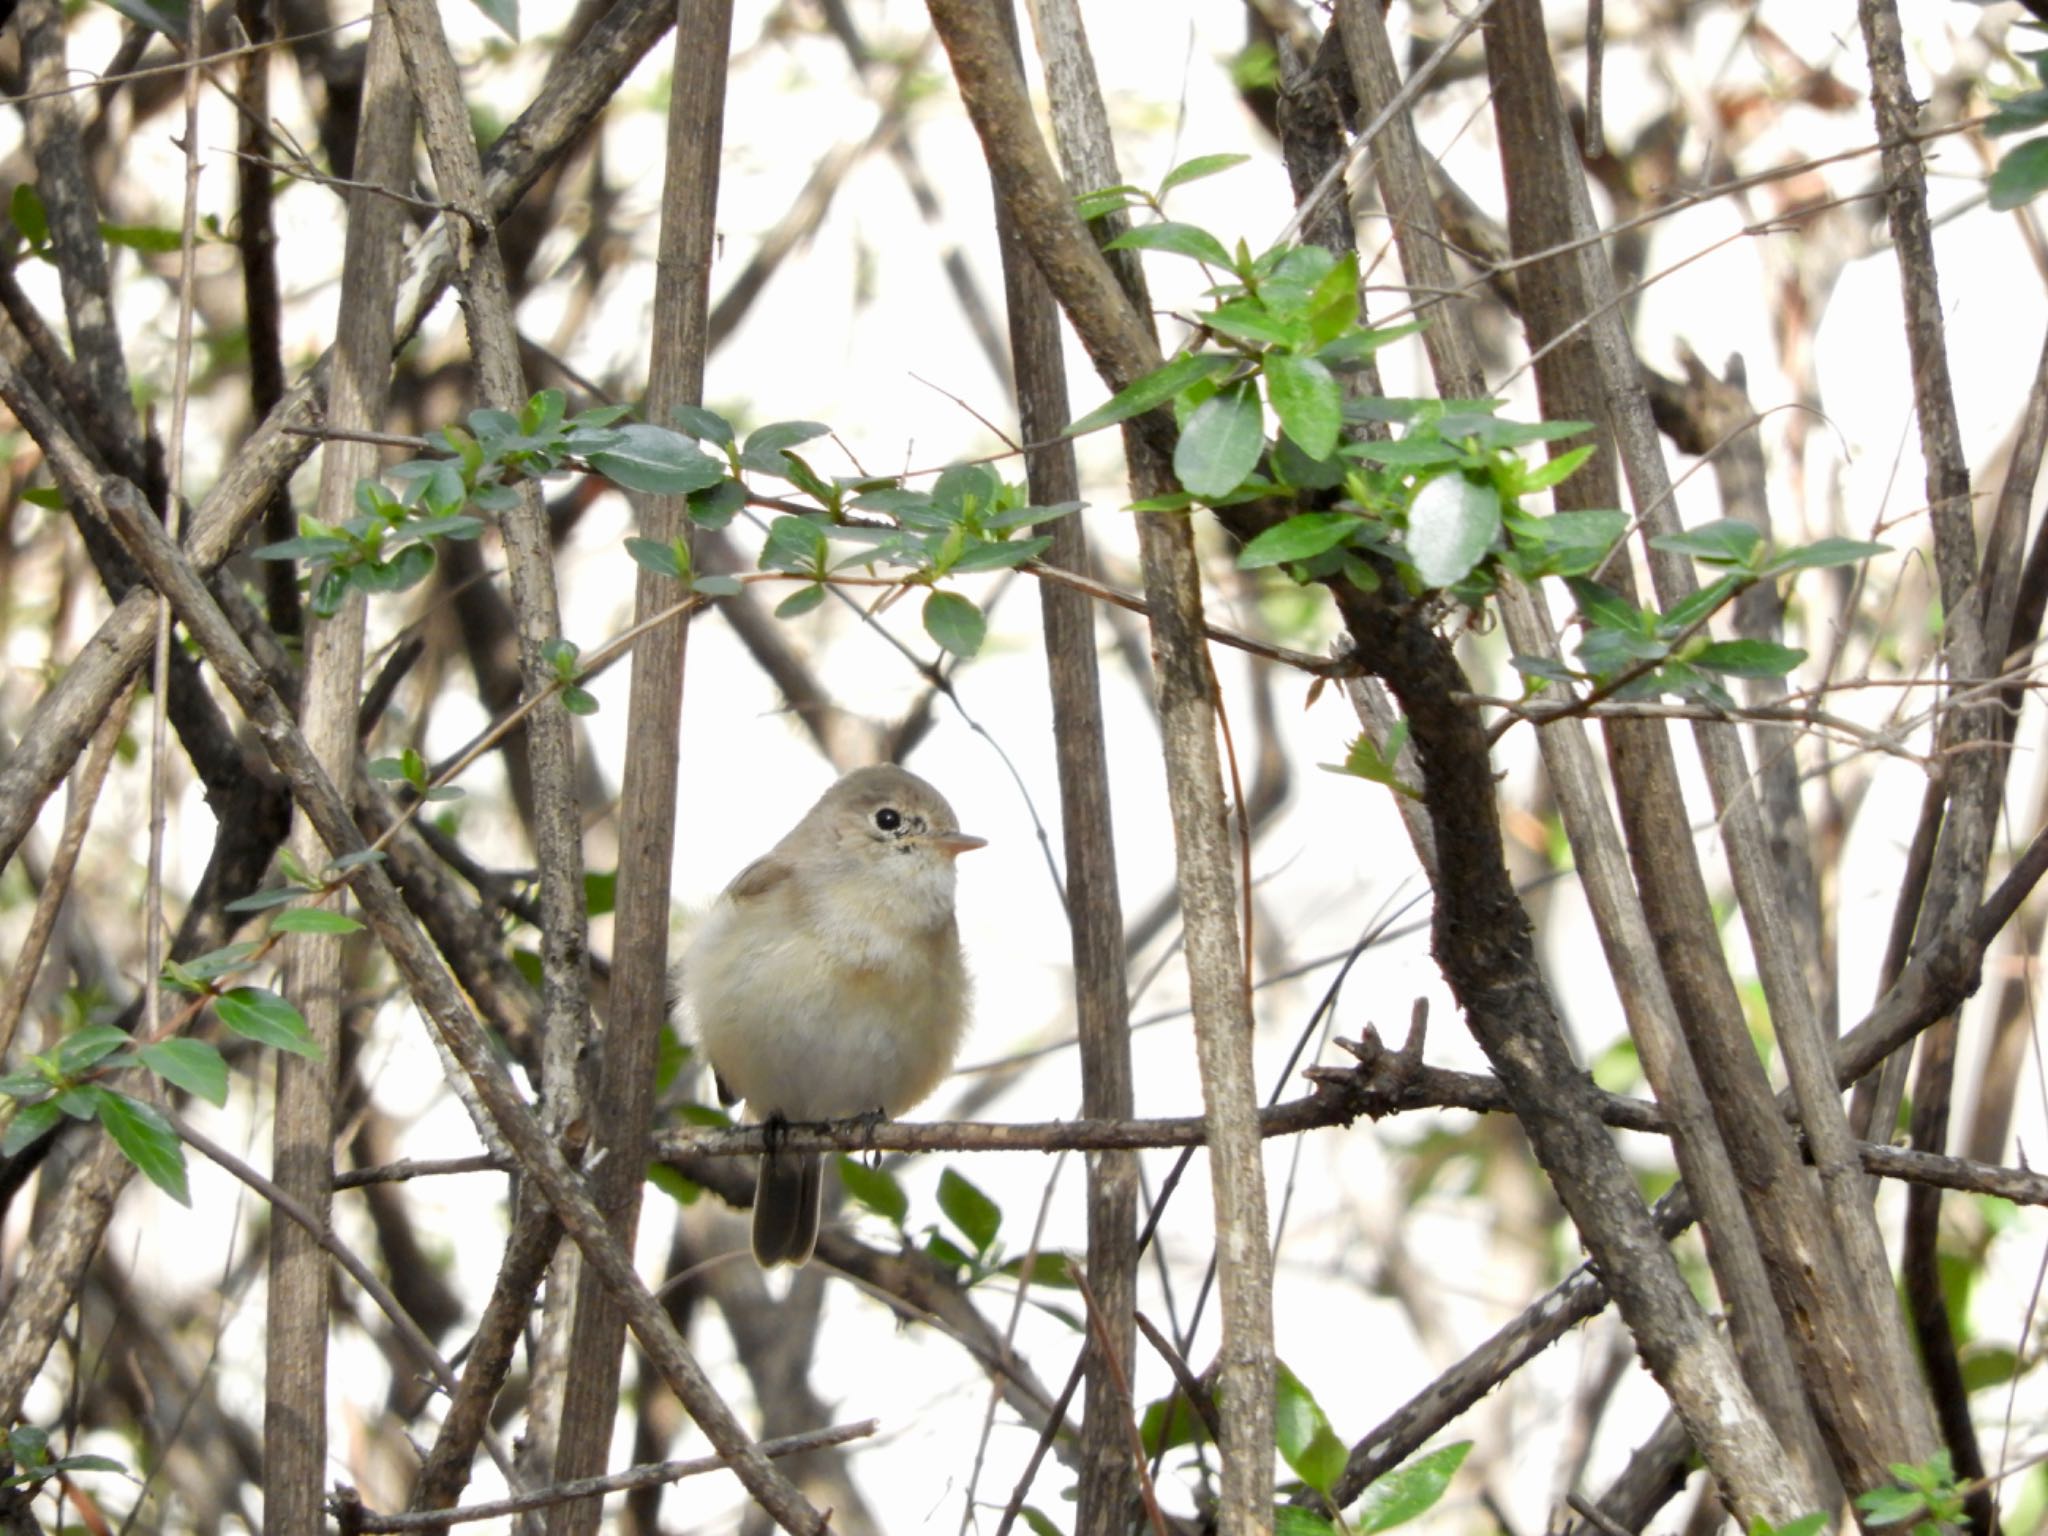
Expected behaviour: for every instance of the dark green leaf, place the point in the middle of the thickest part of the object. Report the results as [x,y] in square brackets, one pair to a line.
[700,423]
[151,239]
[2029,110]
[314,920]
[1604,606]
[1107,200]
[794,544]
[165,16]
[953,489]
[1169,1423]
[1036,1520]
[1293,1520]
[47,497]
[947,1252]
[1301,537]
[579,701]
[955,623]
[256,901]
[801,601]
[716,586]
[1747,658]
[1452,523]
[408,568]
[258,1014]
[25,209]
[146,1139]
[716,507]
[317,547]
[2021,175]
[764,445]
[1576,542]
[1179,239]
[29,1445]
[658,461]
[82,1047]
[1543,667]
[1688,611]
[1154,389]
[1221,443]
[1051,1269]
[655,556]
[1196,169]
[1409,1490]
[503,14]
[29,1123]
[1249,320]
[349,861]
[1825,552]
[978,1217]
[1306,399]
[1727,541]
[1422,452]
[997,557]
[87,1464]
[875,1188]
[1295,468]
[1806,1525]
[1304,1437]
[674,1183]
[1352,351]
[192,1065]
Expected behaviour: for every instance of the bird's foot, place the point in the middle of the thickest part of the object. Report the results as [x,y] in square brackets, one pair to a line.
[870,1121]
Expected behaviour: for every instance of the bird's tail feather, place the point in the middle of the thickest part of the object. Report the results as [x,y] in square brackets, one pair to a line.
[787,1193]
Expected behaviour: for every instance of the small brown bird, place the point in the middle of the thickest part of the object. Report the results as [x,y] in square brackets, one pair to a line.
[827,980]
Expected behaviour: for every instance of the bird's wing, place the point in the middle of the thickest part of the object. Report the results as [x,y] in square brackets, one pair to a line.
[757,879]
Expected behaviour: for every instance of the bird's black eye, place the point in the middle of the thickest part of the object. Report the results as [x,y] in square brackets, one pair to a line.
[888,818]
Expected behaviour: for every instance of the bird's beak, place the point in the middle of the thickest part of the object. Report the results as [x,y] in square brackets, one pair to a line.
[956,843]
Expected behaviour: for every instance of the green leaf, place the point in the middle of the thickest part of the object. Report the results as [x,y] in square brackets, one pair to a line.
[1452,523]
[47,497]
[1051,1269]
[314,920]
[657,461]
[502,14]
[258,1014]
[192,1065]
[1408,1490]
[801,601]
[1605,607]
[674,1183]
[1293,1520]
[716,507]
[167,17]
[700,423]
[875,1188]
[1415,452]
[151,239]
[1249,320]
[1040,1525]
[1688,611]
[1179,239]
[1367,759]
[653,555]
[1825,552]
[1000,556]
[1746,658]
[1306,1442]
[1576,542]
[1726,541]
[1106,200]
[953,488]
[1154,389]
[1806,1525]
[579,701]
[146,1139]
[955,623]
[1301,537]
[1306,399]
[408,568]
[2021,175]
[764,445]
[1196,169]
[82,1047]
[1221,442]
[978,1217]
[1169,1423]
[312,547]
[29,1123]
[25,209]
[794,544]
[1553,472]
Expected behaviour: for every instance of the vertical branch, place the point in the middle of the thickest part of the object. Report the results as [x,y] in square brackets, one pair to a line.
[302,1138]
[1890,1422]
[647,810]
[1108,1486]
[1026,180]
[1664,980]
